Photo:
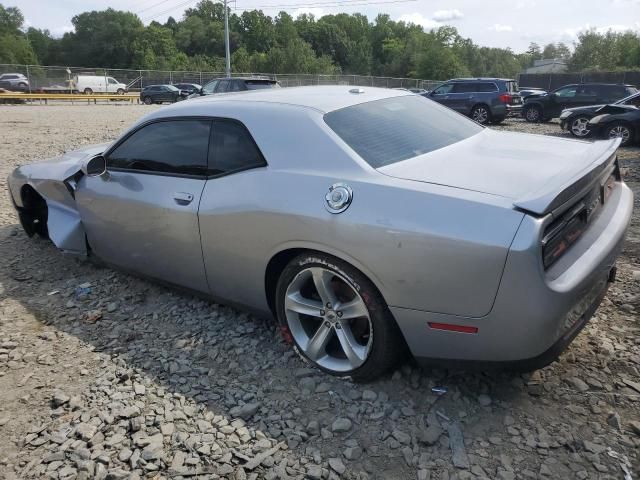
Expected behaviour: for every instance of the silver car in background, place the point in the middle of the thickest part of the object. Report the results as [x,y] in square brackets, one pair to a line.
[364,220]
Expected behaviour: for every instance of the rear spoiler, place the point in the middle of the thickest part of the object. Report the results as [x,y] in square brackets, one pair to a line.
[556,197]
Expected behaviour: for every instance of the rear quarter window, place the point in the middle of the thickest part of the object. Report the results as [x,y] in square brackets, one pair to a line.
[387,131]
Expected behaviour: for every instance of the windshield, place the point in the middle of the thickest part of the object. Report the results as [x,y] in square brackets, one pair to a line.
[172,88]
[630,100]
[387,131]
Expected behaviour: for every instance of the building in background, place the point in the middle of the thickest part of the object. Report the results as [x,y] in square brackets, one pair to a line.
[548,65]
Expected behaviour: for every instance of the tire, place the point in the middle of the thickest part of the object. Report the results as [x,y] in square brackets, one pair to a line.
[88,91]
[370,334]
[147,100]
[533,114]
[120,91]
[481,114]
[578,126]
[620,130]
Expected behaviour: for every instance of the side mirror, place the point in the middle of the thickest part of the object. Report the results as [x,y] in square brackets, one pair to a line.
[95,166]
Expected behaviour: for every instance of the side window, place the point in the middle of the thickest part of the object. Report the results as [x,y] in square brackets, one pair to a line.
[176,146]
[210,87]
[223,86]
[464,88]
[567,92]
[112,80]
[443,89]
[232,148]
[486,87]
[635,101]
[235,86]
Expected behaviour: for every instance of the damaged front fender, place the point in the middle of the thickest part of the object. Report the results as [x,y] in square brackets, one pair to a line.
[55,182]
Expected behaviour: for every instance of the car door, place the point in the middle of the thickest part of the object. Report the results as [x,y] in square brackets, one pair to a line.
[461,97]
[587,95]
[562,98]
[142,214]
[441,93]
[227,223]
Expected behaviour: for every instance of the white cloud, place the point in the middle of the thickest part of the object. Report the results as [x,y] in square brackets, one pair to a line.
[497,27]
[572,33]
[447,15]
[419,19]
[526,4]
[60,31]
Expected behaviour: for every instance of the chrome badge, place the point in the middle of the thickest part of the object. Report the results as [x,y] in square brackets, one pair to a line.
[338,198]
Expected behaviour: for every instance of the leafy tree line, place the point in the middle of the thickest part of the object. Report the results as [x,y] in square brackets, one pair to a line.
[342,43]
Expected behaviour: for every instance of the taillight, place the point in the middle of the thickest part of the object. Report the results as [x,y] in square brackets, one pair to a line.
[563,233]
[506,98]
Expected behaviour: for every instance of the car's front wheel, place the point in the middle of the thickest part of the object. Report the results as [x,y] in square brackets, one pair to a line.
[622,131]
[533,114]
[580,127]
[336,318]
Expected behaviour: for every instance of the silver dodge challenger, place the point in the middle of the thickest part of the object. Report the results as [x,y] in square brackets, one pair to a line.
[369,222]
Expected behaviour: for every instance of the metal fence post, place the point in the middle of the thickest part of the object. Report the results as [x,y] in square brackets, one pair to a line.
[28,79]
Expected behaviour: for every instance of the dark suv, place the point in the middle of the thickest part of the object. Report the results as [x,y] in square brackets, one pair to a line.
[236,84]
[485,100]
[540,108]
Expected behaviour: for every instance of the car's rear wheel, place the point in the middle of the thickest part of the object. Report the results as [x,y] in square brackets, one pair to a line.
[533,114]
[481,114]
[147,100]
[622,131]
[336,318]
[88,91]
[579,126]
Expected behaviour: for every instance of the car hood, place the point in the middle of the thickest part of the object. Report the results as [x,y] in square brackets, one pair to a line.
[601,109]
[61,167]
[530,170]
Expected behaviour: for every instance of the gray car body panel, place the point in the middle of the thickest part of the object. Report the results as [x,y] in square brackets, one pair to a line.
[438,235]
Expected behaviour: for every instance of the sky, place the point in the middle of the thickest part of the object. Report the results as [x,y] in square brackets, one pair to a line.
[493,23]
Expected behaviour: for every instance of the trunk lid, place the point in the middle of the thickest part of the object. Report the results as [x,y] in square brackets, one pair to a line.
[535,172]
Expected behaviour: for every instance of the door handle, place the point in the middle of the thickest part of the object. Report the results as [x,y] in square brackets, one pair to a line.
[183,198]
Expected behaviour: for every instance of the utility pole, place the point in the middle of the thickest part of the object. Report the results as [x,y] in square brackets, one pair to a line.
[226,40]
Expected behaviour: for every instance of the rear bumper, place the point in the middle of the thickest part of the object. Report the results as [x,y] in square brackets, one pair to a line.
[536,313]
[514,110]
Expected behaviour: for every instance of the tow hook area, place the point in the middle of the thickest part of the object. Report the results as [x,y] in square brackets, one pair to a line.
[612,274]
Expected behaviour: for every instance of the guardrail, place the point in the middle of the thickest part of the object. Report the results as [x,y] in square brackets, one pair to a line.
[68,97]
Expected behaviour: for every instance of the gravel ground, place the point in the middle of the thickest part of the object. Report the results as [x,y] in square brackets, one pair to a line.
[103,375]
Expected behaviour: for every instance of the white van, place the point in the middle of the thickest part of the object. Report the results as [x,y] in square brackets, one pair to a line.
[98,84]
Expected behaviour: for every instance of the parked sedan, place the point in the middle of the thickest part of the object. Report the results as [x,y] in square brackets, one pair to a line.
[576,120]
[162,93]
[541,108]
[366,221]
[624,125]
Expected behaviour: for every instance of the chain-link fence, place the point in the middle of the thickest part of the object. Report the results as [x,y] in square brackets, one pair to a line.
[56,79]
